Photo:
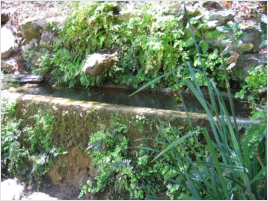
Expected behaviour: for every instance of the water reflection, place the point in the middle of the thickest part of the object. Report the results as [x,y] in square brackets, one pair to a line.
[158,100]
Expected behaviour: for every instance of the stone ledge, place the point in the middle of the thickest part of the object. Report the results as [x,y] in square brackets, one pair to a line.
[22,78]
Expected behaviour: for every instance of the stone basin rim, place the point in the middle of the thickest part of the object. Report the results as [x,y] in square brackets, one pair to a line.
[12,94]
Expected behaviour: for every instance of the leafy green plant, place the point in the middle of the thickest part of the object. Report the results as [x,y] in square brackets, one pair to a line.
[256,83]
[228,172]
[263,21]
[123,170]
[29,57]
[31,143]
[145,42]
[234,45]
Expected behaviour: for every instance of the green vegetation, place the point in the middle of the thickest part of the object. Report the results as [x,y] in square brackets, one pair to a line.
[232,170]
[175,163]
[145,40]
[29,143]
[255,83]
[128,171]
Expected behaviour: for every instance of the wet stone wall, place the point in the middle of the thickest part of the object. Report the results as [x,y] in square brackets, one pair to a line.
[74,121]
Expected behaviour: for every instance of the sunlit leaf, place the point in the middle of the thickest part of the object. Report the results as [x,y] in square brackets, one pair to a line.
[223,29]
[263,19]
[199,26]
[231,66]
[231,24]
[246,47]
[212,23]
[229,60]
[209,34]
[234,54]
[204,46]
[189,42]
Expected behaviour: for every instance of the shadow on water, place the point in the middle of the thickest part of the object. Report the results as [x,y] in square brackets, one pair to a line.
[158,100]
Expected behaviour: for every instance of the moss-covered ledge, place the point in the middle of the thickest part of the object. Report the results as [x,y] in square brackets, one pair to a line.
[74,121]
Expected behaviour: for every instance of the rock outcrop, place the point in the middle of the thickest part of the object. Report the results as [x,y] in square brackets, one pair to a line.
[4,17]
[253,36]
[7,43]
[22,78]
[11,190]
[100,62]
[248,61]
[221,16]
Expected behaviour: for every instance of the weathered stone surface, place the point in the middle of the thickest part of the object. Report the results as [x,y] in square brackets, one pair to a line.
[254,36]
[33,28]
[222,16]
[99,62]
[32,45]
[11,190]
[40,196]
[47,37]
[212,4]
[248,61]
[4,18]
[22,78]
[8,65]
[56,20]
[7,43]
[122,6]
[123,16]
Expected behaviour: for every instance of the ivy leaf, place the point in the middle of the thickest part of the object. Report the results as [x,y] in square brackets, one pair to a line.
[209,34]
[246,47]
[212,23]
[189,42]
[223,29]
[204,46]
[216,34]
[231,24]
[199,26]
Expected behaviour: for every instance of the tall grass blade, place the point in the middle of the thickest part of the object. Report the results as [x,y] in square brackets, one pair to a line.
[193,189]
[213,184]
[149,83]
[247,184]
[186,197]
[225,167]
[259,176]
[217,164]
[176,142]
[149,197]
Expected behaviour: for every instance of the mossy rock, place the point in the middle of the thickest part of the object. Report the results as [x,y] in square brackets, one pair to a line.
[33,28]
[4,18]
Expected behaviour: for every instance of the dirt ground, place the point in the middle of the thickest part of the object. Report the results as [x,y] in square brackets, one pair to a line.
[21,10]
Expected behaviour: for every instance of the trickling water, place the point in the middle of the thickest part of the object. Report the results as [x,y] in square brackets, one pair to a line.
[158,100]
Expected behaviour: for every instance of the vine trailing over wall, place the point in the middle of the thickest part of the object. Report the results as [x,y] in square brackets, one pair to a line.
[145,38]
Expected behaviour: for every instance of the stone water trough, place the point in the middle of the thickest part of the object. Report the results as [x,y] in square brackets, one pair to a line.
[74,121]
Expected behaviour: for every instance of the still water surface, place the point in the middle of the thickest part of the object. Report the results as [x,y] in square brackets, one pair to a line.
[158,100]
